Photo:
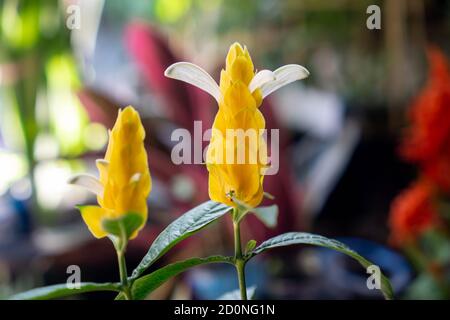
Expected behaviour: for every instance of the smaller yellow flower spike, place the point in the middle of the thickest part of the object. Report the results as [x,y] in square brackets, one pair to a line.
[239,95]
[125,181]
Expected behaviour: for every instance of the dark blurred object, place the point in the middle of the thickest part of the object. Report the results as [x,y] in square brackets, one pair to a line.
[350,283]
[320,273]
[359,204]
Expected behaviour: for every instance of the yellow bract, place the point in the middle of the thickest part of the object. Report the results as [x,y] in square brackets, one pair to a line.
[238,110]
[124,175]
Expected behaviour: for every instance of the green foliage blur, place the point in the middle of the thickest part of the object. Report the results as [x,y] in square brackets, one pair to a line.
[41,119]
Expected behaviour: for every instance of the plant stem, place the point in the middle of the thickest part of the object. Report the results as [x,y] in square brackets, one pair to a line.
[240,267]
[239,261]
[121,245]
[123,273]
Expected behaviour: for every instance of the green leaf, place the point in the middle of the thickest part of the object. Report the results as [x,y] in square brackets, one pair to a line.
[236,294]
[183,227]
[268,215]
[251,244]
[291,238]
[61,290]
[126,225]
[146,284]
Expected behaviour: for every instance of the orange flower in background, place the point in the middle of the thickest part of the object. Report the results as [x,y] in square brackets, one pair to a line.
[412,213]
[438,170]
[430,113]
[428,139]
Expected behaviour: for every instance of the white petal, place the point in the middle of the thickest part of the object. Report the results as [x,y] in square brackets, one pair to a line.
[283,76]
[88,182]
[262,77]
[193,74]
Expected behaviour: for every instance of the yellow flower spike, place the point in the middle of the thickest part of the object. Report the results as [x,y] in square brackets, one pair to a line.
[239,97]
[233,52]
[125,182]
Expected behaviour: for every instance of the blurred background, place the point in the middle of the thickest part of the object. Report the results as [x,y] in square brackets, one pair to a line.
[63,79]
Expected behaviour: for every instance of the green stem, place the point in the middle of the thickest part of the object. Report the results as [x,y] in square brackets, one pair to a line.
[121,246]
[240,268]
[123,275]
[239,261]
